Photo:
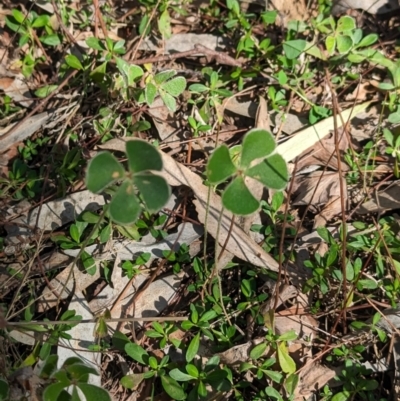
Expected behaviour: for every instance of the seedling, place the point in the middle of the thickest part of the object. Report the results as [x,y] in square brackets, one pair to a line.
[257,160]
[73,373]
[144,162]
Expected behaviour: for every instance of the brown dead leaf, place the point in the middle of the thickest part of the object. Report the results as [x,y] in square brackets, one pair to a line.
[323,153]
[166,124]
[321,188]
[387,199]
[312,378]
[371,6]
[317,188]
[291,10]
[14,85]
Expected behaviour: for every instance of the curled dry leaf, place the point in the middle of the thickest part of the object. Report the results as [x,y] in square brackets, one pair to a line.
[321,188]
[323,153]
[312,377]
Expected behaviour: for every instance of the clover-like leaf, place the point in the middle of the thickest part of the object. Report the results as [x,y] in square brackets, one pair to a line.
[142,156]
[175,86]
[103,170]
[344,43]
[163,76]
[257,143]
[130,71]
[238,199]
[346,23]
[220,166]
[154,190]
[272,172]
[124,206]
[150,92]
[168,100]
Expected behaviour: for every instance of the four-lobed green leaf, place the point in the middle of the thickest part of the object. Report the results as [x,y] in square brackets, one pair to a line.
[143,161]
[255,159]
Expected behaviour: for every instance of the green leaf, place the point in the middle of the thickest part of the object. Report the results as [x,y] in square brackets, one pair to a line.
[172,388]
[288,336]
[257,143]
[342,396]
[198,88]
[45,90]
[175,86]
[74,233]
[192,370]
[95,43]
[137,353]
[164,24]
[330,44]
[219,165]
[132,381]
[291,383]
[386,86]
[143,156]
[344,44]
[94,393]
[178,375]
[275,376]
[150,92]
[99,73]
[77,371]
[119,340]
[41,21]
[245,366]
[368,40]
[238,199]
[163,76]
[258,351]
[4,390]
[346,23]
[14,25]
[73,62]
[103,170]
[272,172]
[52,391]
[193,348]
[124,206]
[130,71]
[19,17]
[168,100]
[271,392]
[154,190]
[89,263]
[51,40]
[293,48]
[286,362]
